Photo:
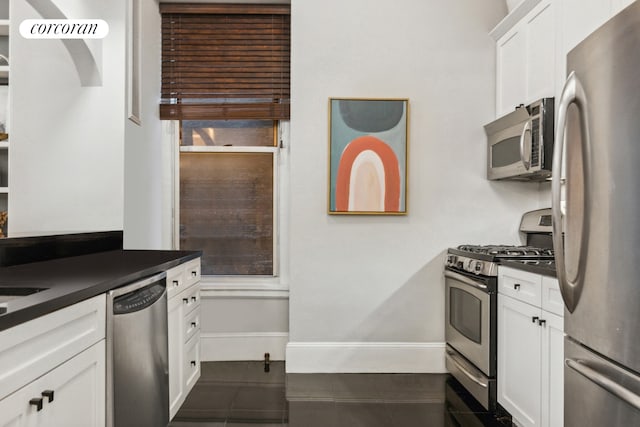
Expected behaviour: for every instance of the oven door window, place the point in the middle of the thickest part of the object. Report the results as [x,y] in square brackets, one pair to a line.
[465,314]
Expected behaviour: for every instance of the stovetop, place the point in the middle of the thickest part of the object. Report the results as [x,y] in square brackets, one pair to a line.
[484,259]
[507,251]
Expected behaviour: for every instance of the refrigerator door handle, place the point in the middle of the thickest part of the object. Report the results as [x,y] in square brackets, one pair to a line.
[570,287]
[607,383]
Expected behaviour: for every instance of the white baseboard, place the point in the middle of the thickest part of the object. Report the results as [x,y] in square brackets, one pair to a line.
[362,357]
[242,346]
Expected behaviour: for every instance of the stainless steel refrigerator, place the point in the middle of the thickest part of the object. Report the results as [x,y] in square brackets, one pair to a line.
[597,232]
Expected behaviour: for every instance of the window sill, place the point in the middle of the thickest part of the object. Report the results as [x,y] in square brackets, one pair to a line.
[243,287]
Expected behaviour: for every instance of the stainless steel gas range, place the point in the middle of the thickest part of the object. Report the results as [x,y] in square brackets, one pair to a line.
[471,275]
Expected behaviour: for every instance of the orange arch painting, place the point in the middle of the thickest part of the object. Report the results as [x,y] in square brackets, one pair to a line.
[368,161]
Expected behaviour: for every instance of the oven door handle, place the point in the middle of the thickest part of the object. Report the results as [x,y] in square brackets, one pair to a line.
[459,364]
[464,279]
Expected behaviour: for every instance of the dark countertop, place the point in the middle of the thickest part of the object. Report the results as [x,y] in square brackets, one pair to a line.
[546,268]
[74,279]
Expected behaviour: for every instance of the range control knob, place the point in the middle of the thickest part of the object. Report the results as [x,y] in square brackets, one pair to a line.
[479,265]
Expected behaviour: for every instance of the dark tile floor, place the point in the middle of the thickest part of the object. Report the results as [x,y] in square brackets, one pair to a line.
[241,394]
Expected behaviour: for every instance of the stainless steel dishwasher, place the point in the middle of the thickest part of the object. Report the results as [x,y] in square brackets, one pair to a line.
[137,354]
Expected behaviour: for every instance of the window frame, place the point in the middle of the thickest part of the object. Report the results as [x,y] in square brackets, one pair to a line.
[279,280]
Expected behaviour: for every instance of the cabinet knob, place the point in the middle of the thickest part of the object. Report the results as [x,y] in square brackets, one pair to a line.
[516,286]
[37,402]
[534,319]
[48,394]
[541,322]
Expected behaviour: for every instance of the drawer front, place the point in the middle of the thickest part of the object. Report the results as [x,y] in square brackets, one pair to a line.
[190,298]
[192,272]
[29,350]
[551,296]
[191,324]
[521,285]
[175,281]
[192,362]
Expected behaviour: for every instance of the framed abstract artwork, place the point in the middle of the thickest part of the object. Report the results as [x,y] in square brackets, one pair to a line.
[368,153]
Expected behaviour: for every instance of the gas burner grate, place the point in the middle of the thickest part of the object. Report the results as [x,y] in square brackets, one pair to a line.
[508,251]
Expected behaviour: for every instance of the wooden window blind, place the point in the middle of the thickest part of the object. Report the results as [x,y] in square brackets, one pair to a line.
[225,61]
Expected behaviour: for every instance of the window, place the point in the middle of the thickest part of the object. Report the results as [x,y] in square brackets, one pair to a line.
[228,206]
[225,78]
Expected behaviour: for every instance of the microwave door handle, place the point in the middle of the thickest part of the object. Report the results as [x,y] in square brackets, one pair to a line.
[525,154]
[607,383]
[570,288]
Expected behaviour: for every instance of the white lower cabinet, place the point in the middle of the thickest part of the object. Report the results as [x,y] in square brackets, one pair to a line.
[57,380]
[71,395]
[184,332]
[176,355]
[530,349]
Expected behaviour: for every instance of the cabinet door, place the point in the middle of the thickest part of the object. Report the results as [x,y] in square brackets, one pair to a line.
[519,360]
[14,410]
[79,391]
[540,52]
[510,71]
[552,370]
[192,362]
[78,399]
[175,309]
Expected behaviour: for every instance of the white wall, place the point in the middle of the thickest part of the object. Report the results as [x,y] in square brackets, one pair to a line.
[66,154]
[367,293]
[147,168]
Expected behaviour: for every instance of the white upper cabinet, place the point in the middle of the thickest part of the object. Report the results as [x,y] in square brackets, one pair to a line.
[540,27]
[532,43]
[525,57]
[511,71]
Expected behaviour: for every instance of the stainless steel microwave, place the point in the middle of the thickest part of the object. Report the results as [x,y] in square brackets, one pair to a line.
[520,144]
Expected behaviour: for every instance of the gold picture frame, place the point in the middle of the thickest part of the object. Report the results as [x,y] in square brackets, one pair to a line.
[368,156]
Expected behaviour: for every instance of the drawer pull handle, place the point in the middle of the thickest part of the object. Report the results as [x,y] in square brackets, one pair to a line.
[193,363]
[194,324]
[37,402]
[516,286]
[185,300]
[541,322]
[48,394]
[175,284]
[534,319]
[194,273]
[194,299]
